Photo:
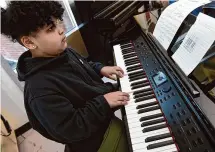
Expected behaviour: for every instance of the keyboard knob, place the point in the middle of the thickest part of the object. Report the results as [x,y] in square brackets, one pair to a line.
[166,89]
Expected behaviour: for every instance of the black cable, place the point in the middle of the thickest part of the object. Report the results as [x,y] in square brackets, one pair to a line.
[7,126]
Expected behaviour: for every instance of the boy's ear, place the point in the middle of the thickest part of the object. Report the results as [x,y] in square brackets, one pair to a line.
[27,42]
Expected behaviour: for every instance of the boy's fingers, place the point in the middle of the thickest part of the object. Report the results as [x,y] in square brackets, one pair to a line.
[124,102]
[113,77]
[120,74]
[123,98]
[119,69]
[124,94]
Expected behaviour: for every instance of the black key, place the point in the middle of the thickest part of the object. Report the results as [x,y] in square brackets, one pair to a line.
[161,144]
[152,122]
[154,128]
[136,73]
[136,78]
[148,109]
[134,67]
[137,86]
[126,51]
[131,63]
[129,55]
[150,117]
[146,105]
[139,91]
[143,94]
[157,137]
[140,85]
[129,60]
[135,83]
[130,70]
[126,43]
[145,98]
[125,46]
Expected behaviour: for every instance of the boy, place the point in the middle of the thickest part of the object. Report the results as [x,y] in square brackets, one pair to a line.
[65,98]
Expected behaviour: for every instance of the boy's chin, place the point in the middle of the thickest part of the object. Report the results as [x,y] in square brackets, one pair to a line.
[64,44]
[63,47]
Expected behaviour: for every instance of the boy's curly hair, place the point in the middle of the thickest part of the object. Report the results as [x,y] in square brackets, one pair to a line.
[22,18]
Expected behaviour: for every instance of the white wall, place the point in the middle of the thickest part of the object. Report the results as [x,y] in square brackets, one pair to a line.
[12,103]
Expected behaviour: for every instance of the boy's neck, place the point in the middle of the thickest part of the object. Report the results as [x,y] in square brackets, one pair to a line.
[37,53]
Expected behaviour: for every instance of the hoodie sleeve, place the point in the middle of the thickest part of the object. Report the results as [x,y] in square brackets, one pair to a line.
[67,124]
[96,67]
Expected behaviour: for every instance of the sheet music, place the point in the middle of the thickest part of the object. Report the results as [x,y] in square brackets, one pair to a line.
[197,42]
[171,19]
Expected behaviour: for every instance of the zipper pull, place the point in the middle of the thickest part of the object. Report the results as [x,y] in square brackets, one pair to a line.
[81,61]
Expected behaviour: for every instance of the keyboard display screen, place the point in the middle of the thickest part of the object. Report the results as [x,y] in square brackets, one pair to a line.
[159,78]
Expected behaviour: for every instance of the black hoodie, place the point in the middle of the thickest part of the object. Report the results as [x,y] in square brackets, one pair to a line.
[64,99]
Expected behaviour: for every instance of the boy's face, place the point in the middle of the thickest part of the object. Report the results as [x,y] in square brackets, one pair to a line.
[50,40]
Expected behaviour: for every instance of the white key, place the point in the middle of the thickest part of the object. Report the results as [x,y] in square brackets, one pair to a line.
[138,134]
[142,138]
[144,144]
[136,117]
[126,79]
[135,71]
[133,105]
[169,148]
[129,89]
[143,79]
[136,110]
[129,43]
[129,53]
[134,57]
[138,124]
[126,47]
[132,65]
[134,124]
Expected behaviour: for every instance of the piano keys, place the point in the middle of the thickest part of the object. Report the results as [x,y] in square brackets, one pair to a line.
[153,125]
[157,118]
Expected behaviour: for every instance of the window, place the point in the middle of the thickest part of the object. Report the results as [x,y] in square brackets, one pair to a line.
[68,17]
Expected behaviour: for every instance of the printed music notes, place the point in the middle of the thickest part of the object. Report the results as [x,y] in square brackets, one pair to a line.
[196,43]
[171,19]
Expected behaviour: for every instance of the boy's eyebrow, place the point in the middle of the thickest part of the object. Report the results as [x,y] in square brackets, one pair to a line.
[47,26]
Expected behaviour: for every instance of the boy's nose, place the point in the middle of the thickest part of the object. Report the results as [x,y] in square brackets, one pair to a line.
[61,29]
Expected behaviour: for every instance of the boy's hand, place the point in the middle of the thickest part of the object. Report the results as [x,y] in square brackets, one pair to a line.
[111,71]
[116,99]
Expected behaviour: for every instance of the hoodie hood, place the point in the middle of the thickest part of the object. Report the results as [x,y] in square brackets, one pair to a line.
[28,66]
